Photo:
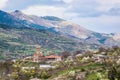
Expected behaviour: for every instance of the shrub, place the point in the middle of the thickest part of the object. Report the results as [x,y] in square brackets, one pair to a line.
[43,75]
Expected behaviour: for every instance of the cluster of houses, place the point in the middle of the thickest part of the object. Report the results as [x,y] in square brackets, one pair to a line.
[38,56]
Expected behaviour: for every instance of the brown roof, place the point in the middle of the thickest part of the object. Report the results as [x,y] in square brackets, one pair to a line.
[52,56]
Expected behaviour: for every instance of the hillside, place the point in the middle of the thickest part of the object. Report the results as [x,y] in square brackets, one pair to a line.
[16,43]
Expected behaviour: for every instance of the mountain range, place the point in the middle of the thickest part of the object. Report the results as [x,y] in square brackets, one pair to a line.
[21,31]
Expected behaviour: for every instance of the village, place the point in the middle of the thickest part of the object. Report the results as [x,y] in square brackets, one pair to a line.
[46,61]
[87,66]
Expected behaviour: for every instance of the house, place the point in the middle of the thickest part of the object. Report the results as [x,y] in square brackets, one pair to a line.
[43,66]
[99,57]
[52,58]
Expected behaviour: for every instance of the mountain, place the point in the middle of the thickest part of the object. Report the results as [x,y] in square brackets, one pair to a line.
[19,33]
[59,25]
[70,29]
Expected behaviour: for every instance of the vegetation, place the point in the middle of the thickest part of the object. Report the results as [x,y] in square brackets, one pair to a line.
[108,69]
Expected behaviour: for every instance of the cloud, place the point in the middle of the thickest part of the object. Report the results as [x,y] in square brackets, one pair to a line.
[49,11]
[80,8]
[45,11]
[114,12]
[70,9]
[104,23]
[105,5]
[23,4]
[3,3]
[93,8]
[67,1]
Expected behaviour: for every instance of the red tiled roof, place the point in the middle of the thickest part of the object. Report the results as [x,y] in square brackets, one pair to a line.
[52,56]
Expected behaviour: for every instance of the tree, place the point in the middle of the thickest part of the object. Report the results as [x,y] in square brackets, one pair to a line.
[77,52]
[101,49]
[43,75]
[65,54]
[112,63]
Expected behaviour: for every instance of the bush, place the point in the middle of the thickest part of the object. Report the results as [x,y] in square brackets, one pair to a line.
[43,75]
[82,69]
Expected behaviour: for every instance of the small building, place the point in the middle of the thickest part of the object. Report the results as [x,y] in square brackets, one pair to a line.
[43,66]
[52,58]
[99,57]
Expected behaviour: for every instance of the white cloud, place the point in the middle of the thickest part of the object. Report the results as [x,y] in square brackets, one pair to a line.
[105,5]
[102,23]
[44,11]
[3,3]
[74,8]
[67,1]
[108,2]
[57,0]
[49,11]
[98,5]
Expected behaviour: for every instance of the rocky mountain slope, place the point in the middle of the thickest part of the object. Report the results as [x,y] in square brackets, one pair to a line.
[57,24]
[70,29]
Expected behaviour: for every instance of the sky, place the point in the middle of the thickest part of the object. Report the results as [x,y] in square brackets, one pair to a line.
[97,15]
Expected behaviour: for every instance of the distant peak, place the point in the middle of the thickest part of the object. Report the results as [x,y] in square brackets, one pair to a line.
[17,12]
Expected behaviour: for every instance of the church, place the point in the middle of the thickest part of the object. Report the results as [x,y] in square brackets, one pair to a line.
[38,56]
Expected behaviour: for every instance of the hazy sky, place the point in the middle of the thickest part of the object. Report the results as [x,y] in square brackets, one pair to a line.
[96,15]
